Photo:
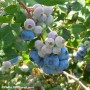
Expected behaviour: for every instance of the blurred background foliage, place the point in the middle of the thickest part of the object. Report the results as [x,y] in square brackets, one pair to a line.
[71,20]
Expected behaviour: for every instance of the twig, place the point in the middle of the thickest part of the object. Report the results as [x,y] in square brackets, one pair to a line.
[41,35]
[28,11]
[71,47]
[77,80]
[31,9]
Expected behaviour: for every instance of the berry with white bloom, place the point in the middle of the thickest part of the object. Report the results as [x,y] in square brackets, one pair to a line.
[59,41]
[38,12]
[48,10]
[46,50]
[81,45]
[29,24]
[56,50]
[87,44]
[43,18]
[38,44]
[49,42]
[37,5]
[41,54]
[38,30]
[6,65]
[24,68]
[16,59]
[52,34]
[49,20]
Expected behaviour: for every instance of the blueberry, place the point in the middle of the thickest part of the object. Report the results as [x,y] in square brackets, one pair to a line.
[48,70]
[63,65]
[34,57]
[16,59]
[27,35]
[51,61]
[64,54]
[77,56]
[82,51]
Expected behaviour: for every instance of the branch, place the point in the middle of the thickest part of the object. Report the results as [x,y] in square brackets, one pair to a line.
[77,80]
[71,47]
[28,11]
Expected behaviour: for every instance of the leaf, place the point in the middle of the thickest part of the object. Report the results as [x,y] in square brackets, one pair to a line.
[21,46]
[6,36]
[66,34]
[57,88]
[4,19]
[10,53]
[76,6]
[16,28]
[51,2]
[20,17]
[63,8]
[87,22]
[82,2]
[12,75]
[11,9]
[78,28]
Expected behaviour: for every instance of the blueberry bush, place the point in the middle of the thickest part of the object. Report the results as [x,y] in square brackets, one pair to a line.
[44,44]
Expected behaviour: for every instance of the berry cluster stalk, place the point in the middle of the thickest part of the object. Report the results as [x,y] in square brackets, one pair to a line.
[28,11]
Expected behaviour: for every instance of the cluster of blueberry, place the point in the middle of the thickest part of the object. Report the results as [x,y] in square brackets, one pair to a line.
[6,65]
[82,50]
[33,27]
[52,55]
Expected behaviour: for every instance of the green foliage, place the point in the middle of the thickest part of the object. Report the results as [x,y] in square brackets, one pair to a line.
[51,2]
[71,21]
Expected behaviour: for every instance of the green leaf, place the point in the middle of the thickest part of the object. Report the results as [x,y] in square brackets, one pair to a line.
[87,22]
[57,88]
[4,19]
[51,2]
[16,28]
[76,6]
[10,53]
[11,9]
[20,17]
[78,28]
[6,36]
[82,2]
[21,46]
[66,34]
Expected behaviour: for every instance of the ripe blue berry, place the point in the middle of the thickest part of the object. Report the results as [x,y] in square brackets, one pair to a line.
[63,65]
[27,35]
[64,54]
[82,51]
[51,61]
[34,57]
[48,70]
[77,56]
[16,59]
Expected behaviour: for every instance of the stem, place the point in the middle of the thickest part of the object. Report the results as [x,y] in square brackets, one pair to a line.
[31,9]
[28,11]
[71,47]
[76,79]
[41,35]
